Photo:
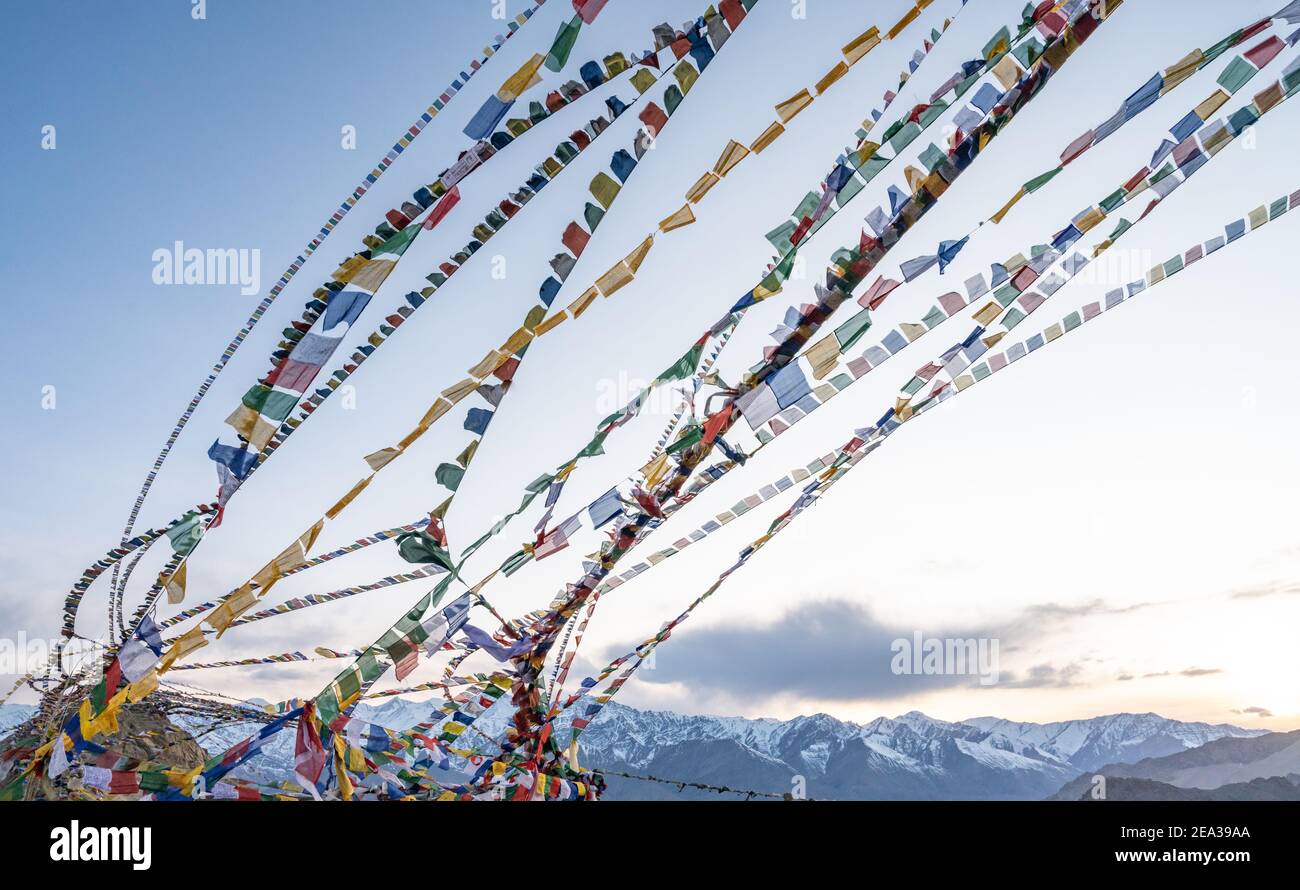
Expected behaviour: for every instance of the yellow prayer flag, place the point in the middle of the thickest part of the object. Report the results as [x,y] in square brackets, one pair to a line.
[295,554]
[373,274]
[683,217]
[522,79]
[732,155]
[242,420]
[186,643]
[348,498]
[1181,70]
[912,330]
[656,470]
[142,688]
[859,46]
[702,186]
[579,306]
[106,722]
[486,365]
[907,19]
[990,311]
[830,77]
[381,458]
[175,585]
[1212,104]
[639,253]
[767,137]
[349,267]
[519,339]
[1007,71]
[458,391]
[551,323]
[615,278]
[408,440]
[345,782]
[790,107]
[234,606]
[823,356]
[1089,220]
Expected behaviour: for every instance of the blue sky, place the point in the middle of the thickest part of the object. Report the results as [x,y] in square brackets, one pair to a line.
[1117,507]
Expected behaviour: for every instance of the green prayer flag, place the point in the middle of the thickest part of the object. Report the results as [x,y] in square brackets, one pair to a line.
[691,437]
[852,330]
[420,547]
[186,533]
[516,562]
[683,367]
[1236,75]
[1041,180]
[449,475]
[565,39]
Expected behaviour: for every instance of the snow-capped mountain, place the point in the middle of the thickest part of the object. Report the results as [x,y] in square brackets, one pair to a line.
[12,715]
[908,757]
[1115,738]
[911,756]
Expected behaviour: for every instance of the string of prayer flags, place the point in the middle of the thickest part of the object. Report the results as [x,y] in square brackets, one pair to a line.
[604,189]
[358,192]
[446,194]
[578,142]
[1017,274]
[140,543]
[269,403]
[854,170]
[1238,72]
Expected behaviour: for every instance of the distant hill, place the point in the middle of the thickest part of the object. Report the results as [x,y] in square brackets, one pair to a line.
[1262,767]
[1275,788]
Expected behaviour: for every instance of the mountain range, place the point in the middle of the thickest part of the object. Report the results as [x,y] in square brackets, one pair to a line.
[908,757]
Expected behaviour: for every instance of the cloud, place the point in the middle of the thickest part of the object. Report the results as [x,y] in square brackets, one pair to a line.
[1185,672]
[837,650]
[1255,710]
[1042,676]
[1273,588]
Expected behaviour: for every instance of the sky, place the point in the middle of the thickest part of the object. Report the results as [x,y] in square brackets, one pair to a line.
[1115,511]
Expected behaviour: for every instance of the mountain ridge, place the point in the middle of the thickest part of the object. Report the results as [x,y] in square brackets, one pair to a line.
[910,756]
